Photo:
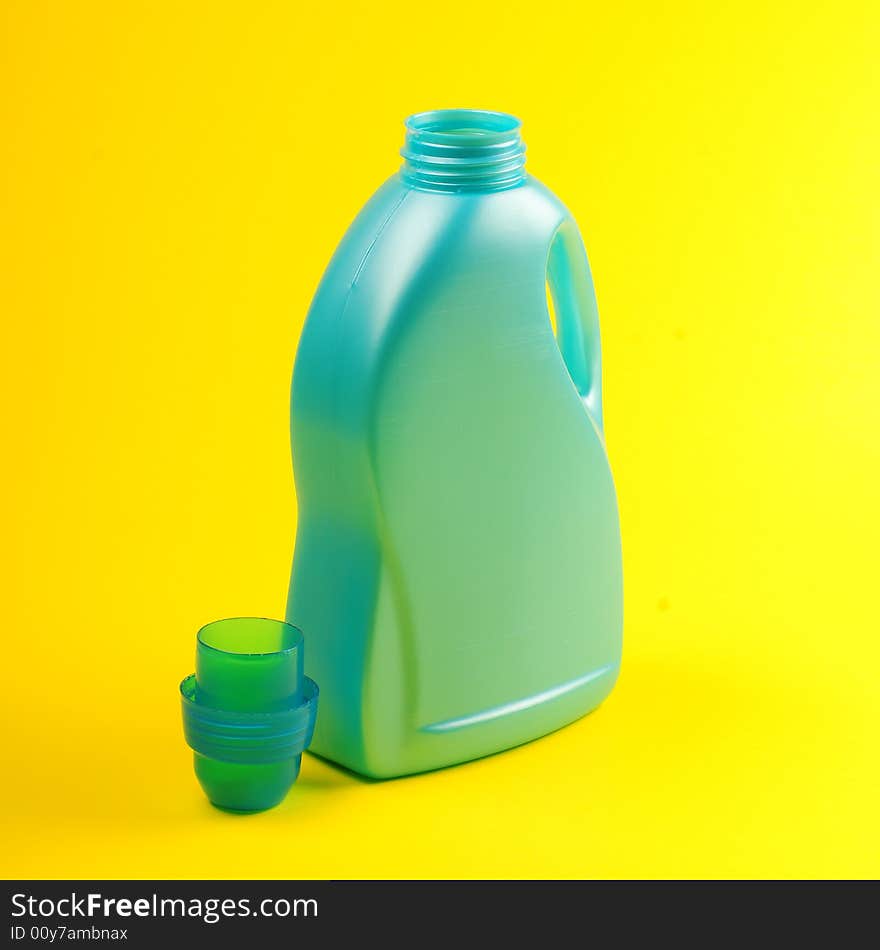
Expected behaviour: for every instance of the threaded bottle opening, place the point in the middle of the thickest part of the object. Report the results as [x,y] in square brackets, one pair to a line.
[463,150]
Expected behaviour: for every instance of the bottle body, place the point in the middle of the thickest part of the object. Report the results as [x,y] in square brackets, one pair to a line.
[457,561]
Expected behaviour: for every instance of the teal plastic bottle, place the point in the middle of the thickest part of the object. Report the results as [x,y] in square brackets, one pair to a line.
[457,567]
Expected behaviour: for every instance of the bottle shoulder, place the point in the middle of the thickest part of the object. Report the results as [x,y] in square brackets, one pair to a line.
[531,206]
[524,217]
[406,232]
[411,252]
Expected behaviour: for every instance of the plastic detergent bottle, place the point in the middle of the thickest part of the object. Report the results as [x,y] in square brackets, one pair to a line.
[457,567]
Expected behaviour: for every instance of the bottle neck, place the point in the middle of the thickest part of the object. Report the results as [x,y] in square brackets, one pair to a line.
[457,150]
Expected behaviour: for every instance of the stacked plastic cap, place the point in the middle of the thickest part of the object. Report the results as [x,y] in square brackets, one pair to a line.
[248,711]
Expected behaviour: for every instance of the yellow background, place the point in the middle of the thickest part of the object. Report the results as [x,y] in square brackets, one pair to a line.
[175,177]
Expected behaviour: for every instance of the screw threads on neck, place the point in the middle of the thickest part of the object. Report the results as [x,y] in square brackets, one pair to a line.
[463,150]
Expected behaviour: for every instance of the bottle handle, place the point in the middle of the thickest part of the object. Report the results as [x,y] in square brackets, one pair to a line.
[577,315]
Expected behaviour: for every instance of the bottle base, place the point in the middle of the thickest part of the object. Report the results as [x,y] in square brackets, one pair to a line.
[474,736]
